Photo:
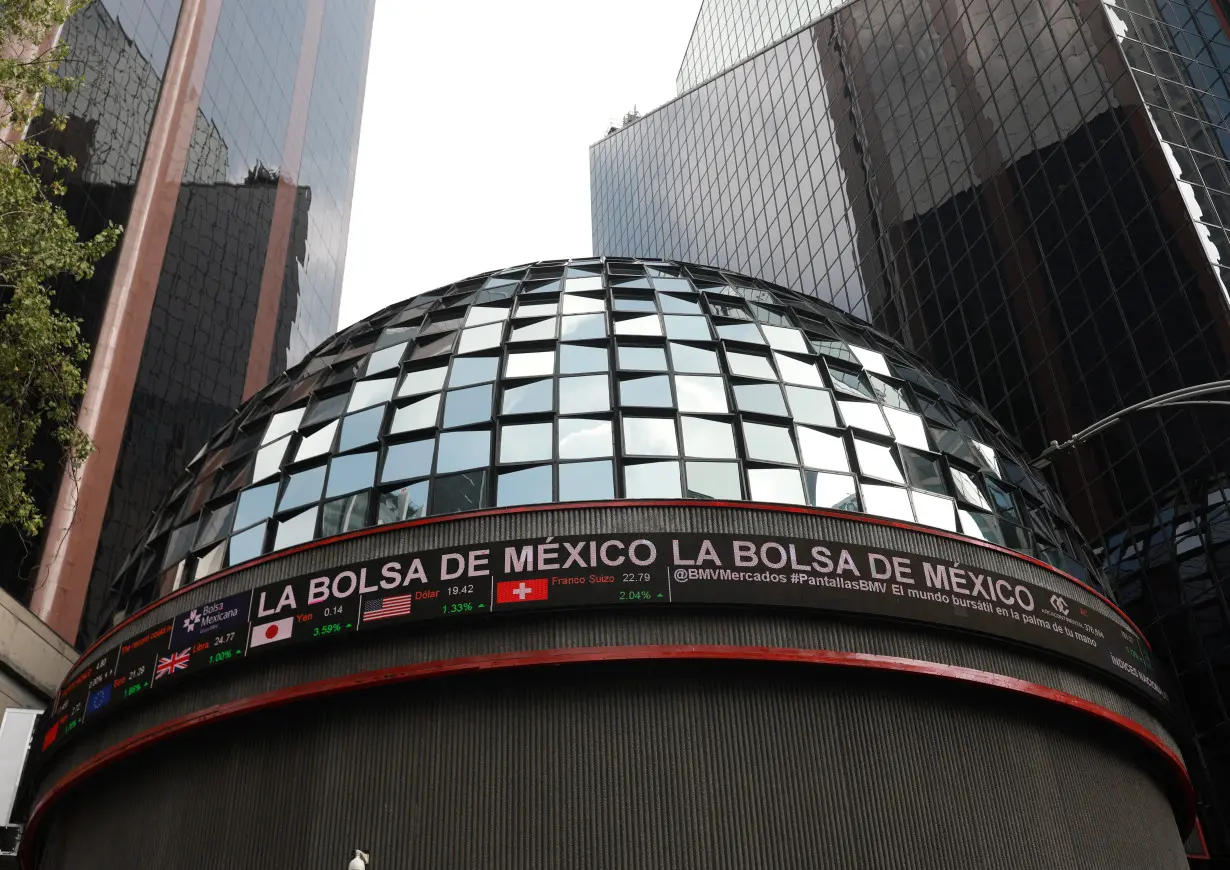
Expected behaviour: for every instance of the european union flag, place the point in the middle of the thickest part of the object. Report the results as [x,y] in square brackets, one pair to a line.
[98,699]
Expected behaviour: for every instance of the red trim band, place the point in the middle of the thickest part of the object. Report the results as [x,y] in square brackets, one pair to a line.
[499,661]
[623,502]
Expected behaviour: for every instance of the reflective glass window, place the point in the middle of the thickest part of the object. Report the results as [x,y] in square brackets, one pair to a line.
[417,415]
[524,486]
[646,325]
[967,490]
[687,328]
[795,371]
[269,459]
[979,525]
[750,366]
[707,395]
[780,485]
[821,450]
[650,436]
[850,383]
[584,394]
[317,443]
[359,429]
[404,503]
[412,459]
[907,428]
[811,406]
[325,409]
[529,398]
[351,473]
[575,327]
[650,392]
[470,405]
[985,457]
[708,438]
[211,562]
[426,350]
[890,394]
[539,330]
[422,381]
[695,360]
[649,359]
[718,480]
[473,370]
[537,308]
[835,491]
[652,480]
[479,315]
[785,338]
[302,487]
[924,472]
[581,438]
[480,338]
[255,504]
[458,451]
[383,360]
[864,415]
[876,460]
[768,443]
[459,492]
[934,510]
[343,515]
[887,501]
[297,529]
[747,333]
[283,424]
[871,360]
[580,285]
[530,365]
[215,522]
[584,481]
[528,442]
[1002,499]
[574,304]
[247,545]
[578,359]
[760,398]
[627,304]
[674,285]
[677,304]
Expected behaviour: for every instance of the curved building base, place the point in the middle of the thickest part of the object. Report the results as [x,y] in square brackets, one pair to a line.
[663,764]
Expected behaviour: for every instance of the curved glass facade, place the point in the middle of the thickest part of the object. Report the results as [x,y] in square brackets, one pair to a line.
[589,380]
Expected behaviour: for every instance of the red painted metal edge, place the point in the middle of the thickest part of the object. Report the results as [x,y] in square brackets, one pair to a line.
[499,661]
[623,502]
[1203,854]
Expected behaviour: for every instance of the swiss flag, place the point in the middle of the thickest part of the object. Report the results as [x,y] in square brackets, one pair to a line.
[51,734]
[512,591]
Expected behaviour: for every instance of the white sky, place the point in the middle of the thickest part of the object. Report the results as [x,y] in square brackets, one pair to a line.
[474,149]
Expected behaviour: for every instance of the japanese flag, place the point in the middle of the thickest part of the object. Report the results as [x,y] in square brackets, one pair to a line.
[271,632]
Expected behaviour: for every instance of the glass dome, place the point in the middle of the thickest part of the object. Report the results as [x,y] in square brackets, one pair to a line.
[586,380]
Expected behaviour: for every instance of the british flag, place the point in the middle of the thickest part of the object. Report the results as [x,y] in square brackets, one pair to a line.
[172,663]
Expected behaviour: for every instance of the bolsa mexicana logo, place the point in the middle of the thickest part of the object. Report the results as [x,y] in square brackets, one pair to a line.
[224,615]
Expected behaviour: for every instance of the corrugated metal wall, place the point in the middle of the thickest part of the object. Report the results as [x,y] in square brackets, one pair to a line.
[670,765]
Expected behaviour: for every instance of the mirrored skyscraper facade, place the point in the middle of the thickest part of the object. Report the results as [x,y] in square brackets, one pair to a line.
[1030,195]
[222,134]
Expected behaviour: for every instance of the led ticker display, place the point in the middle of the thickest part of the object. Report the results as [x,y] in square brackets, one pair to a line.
[649,570]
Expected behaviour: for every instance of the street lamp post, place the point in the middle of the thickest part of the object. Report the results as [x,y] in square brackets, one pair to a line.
[1177,398]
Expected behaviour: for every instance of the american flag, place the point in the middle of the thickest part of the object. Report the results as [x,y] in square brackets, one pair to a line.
[386,608]
[172,663]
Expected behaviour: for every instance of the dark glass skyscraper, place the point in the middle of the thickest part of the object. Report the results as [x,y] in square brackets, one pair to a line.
[222,134]
[1034,195]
